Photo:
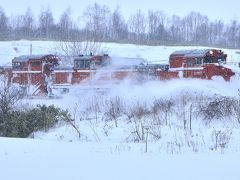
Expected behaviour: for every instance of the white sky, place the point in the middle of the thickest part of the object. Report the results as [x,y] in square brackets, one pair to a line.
[214,9]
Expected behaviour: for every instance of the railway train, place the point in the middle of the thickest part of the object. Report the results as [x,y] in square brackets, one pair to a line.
[40,74]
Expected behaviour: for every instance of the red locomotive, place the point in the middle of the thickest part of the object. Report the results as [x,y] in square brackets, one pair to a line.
[40,73]
[204,63]
[33,71]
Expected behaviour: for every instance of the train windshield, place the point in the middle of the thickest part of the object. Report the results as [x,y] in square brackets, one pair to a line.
[221,59]
[82,64]
[210,59]
[16,66]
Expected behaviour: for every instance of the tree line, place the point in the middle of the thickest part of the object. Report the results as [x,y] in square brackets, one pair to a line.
[100,23]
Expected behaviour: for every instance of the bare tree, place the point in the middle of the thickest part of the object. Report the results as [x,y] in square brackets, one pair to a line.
[164,106]
[216,108]
[118,28]
[221,138]
[97,18]
[176,30]
[137,27]
[65,24]
[9,96]
[72,123]
[76,48]
[46,23]
[157,26]
[70,49]
[139,121]
[29,22]
[231,32]
[3,24]
[99,24]
[114,109]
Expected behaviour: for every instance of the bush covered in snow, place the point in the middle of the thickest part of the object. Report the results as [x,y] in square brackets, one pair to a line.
[22,123]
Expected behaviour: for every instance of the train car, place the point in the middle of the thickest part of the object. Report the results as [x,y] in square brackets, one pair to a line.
[32,72]
[103,69]
[85,67]
[204,63]
[40,74]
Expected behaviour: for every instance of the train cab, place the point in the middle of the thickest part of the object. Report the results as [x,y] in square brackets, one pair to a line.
[200,63]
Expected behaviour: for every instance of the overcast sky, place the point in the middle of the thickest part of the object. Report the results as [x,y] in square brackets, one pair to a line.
[214,9]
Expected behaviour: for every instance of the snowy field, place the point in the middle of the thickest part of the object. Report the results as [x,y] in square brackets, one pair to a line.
[27,159]
[11,49]
[107,152]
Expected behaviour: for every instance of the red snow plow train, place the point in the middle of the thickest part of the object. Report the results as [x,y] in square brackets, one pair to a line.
[40,74]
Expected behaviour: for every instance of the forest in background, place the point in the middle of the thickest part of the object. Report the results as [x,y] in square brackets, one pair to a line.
[101,24]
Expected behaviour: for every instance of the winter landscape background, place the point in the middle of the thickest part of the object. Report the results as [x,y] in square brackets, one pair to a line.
[210,149]
[103,22]
[177,129]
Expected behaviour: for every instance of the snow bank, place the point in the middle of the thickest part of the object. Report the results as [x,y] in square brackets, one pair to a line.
[25,159]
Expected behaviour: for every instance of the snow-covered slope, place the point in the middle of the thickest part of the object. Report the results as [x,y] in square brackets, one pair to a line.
[11,49]
[27,159]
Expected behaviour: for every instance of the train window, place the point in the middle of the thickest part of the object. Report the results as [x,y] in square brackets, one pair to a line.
[37,63]
[81,64]
[92,65]
[220,59]
[189,64]
[208,59]
[198,61]
[77,64]
[87,63]
[16,66]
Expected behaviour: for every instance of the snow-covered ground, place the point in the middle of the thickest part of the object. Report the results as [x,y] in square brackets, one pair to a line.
[26,159]
[104,152]
[11,49]
[108,152]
